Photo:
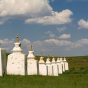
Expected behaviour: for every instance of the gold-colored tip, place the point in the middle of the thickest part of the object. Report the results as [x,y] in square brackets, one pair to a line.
[17,39]
[31,48]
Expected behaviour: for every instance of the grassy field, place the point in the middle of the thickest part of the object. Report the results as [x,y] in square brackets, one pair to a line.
[76,77]
[78,65]
[63,81]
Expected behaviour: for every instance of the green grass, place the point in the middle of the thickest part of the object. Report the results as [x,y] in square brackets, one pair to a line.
[76,77]
[78,65]
[63,81]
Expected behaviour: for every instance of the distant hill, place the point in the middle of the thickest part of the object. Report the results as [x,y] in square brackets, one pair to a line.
[78,65]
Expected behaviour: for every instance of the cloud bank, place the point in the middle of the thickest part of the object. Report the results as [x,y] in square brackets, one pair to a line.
[48,45]
[23,7]
[65,36]
[37,11]
[55,18]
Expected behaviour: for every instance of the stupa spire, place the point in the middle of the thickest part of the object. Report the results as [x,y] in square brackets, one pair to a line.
[17,39]
[31,48]
[17,47]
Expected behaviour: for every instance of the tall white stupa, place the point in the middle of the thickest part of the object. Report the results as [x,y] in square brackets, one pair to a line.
[32,63]
[16,60]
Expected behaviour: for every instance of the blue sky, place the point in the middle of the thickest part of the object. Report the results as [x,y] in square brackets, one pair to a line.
[54,27]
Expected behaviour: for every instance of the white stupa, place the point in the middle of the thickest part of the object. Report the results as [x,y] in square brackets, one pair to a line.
[62,63]
[60,71]
[54,68]
[49,67]
[16,60]
[32,64]
[42,67]
[66,64]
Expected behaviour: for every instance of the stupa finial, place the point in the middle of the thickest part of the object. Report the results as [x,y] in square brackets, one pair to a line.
[17,38]
[31,48]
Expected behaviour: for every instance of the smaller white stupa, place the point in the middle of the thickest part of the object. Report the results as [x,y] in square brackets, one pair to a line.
[42,67]
[54,67]
[32,63]
[66,64]
[16,60]
[59,66]
[49,67]
[63,65]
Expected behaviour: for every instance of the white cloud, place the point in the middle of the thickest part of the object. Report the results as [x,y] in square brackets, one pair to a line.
[65,36]
[52,44]
[83,24]
[79,44]
[58,42]
[3,20]
[6,43]
[62,17]
[83,41]
[26,43]
[37,11]
[50,34]
[24,7]
[61,29]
